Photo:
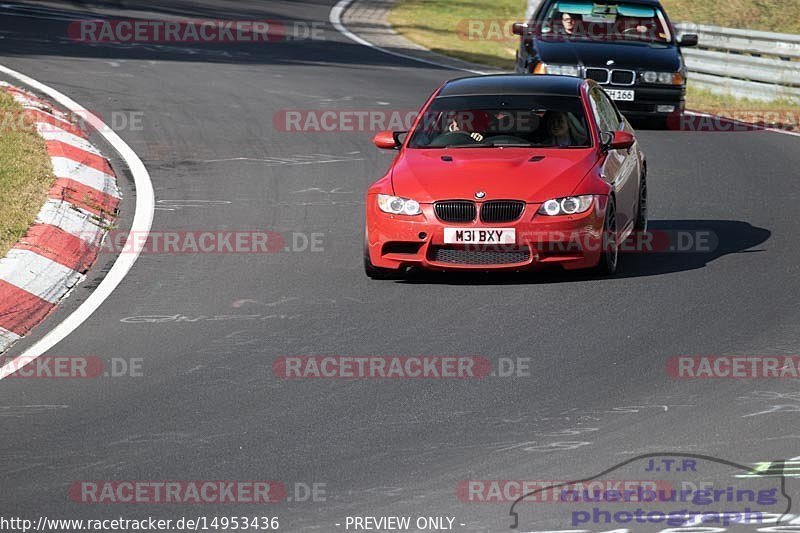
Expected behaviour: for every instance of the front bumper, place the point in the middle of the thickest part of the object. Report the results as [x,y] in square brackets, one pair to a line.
[648,99]
[571,241]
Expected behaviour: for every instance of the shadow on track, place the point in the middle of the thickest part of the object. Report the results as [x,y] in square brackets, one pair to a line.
[732,237]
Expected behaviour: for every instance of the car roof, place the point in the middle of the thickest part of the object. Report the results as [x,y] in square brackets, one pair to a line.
[513,84]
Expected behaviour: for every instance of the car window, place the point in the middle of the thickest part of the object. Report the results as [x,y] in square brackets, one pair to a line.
[614,118]
[606,115]
[502,120]
[603,20]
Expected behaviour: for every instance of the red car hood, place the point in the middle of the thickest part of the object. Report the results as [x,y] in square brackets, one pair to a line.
[507,173]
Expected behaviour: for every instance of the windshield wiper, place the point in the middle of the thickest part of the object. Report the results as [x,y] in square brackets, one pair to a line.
[482,145]
[492,145]
[515,145]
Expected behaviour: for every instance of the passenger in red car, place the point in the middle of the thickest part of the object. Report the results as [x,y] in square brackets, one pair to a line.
[558,127]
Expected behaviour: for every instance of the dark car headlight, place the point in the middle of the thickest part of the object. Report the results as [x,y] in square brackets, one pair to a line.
[662,78]
[558,70]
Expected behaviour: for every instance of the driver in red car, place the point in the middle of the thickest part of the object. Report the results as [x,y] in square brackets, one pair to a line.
[475,124]
[456,126]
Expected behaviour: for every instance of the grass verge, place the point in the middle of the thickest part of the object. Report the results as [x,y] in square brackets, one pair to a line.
[782,16]
[778,114]
[442,26]
[26,173]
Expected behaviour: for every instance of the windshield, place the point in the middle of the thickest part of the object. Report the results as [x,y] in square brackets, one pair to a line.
[605,21]
[495,120]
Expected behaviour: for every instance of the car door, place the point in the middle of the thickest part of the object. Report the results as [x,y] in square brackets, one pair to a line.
[621,167]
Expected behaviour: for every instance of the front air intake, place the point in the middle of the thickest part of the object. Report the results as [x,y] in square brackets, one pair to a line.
[455,211]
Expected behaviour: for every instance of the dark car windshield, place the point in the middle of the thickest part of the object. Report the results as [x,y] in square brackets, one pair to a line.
[604,21]
[487,121]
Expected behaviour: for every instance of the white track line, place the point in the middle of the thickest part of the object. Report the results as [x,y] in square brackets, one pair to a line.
[336,19]
[142,221]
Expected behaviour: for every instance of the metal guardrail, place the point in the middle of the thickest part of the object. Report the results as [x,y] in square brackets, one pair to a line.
[751,64]
[746,63]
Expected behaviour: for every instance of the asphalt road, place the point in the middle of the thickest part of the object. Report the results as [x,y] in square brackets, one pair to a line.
[208,406]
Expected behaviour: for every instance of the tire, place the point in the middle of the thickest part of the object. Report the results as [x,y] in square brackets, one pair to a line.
[641,210]
[378,273]
[609,257]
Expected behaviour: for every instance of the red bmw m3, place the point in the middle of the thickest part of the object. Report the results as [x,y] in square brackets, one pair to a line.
[508,172]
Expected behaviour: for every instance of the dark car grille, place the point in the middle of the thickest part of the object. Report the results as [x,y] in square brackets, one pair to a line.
[501,211]
[600,75]
[604,76]
[455,211]
[622,77]
[471,256]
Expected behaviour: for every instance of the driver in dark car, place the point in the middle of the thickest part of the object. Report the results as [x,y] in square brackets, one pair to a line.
[570,24]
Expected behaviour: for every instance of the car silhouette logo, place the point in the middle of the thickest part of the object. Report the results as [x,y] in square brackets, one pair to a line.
[480,194]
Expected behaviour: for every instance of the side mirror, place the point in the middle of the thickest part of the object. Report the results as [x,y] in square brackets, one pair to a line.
[388,140]
[519,28]
[618,140]
[689,39]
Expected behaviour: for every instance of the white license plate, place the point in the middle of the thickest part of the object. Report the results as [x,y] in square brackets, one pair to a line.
[480,236]
[622,95]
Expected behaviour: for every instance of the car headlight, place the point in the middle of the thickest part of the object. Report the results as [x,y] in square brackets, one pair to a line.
[571,205]
[558,70]
[663,78]
[398,206]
